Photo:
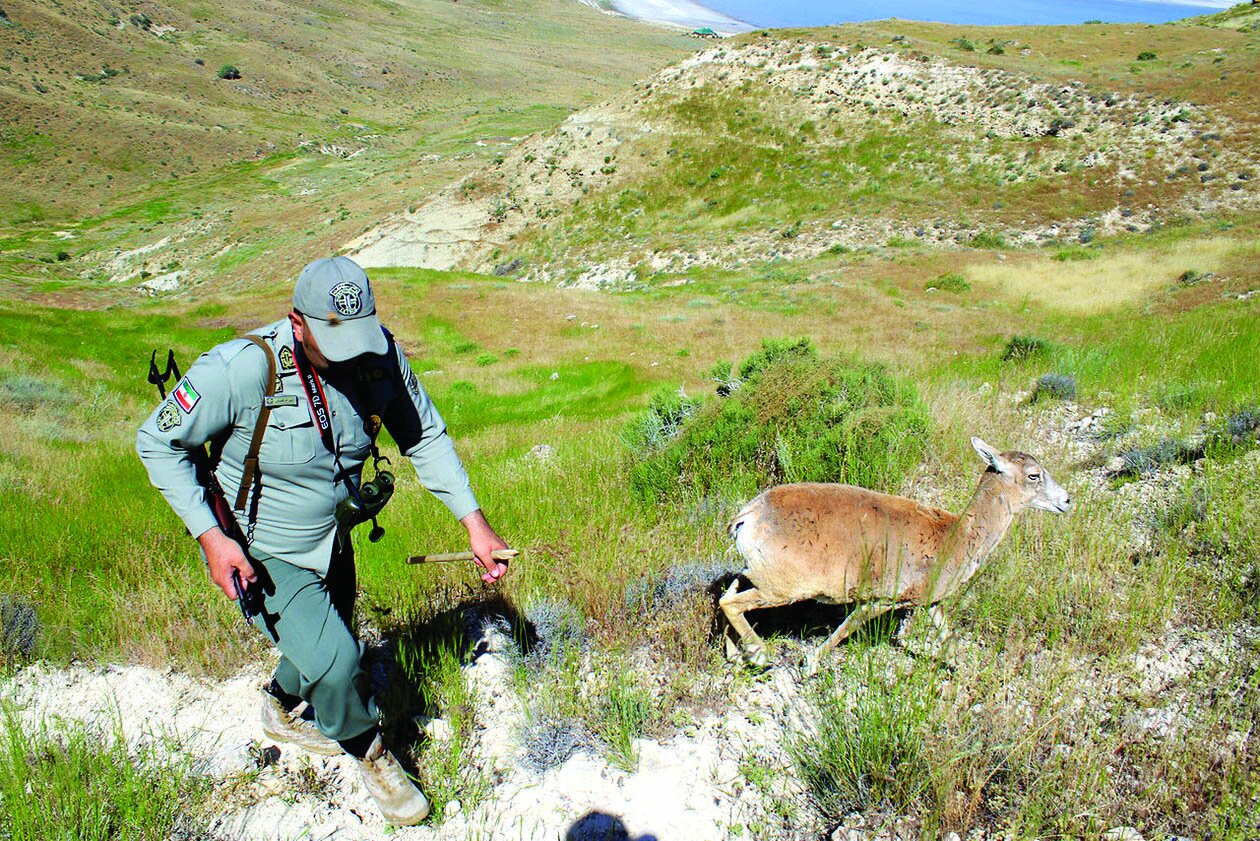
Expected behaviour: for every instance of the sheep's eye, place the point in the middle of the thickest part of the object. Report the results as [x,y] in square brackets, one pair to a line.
[1034,477]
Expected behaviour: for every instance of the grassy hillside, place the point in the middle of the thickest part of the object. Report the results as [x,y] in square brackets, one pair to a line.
[896,134]
[119,133]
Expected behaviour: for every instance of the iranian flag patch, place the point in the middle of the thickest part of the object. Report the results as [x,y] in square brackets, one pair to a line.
[186,396]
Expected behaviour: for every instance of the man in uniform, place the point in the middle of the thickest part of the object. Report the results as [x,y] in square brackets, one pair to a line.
[339,376]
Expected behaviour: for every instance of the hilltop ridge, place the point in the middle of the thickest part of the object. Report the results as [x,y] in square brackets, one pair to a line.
[785,145]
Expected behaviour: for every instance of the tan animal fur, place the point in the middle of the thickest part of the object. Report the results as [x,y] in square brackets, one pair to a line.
[841,544]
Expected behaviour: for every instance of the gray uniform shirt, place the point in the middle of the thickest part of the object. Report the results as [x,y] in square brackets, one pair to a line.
[291,509]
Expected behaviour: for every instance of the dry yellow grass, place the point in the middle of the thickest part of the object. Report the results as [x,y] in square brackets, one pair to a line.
[1108,281]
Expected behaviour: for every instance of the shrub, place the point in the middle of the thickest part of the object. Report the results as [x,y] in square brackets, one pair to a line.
[141,21]
[29,393]
[229,71]
[557,626]
[952,282]
[549,742]
[988,239]
[794,416]
[19,628]
[1146,55]
[1143,460]
[1076,254]
[677,583]
[1055,387]
[964,44]
[1020,348]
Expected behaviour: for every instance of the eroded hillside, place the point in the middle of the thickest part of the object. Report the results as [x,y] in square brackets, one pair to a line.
[789,146]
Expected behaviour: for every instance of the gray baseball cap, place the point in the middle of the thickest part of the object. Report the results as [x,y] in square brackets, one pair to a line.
[336,298]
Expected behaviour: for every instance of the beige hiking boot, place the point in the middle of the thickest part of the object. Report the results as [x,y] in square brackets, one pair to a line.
[289,726]
[399,800]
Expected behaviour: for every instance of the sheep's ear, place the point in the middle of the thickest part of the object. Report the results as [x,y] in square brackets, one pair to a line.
[991,456]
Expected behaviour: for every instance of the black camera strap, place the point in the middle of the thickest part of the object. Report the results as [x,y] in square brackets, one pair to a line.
[321,414]
[316,400]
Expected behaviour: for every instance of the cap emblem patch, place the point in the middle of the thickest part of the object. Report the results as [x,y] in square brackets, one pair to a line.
[347,298]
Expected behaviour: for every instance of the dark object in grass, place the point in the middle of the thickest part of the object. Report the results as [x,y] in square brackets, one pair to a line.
[550,742]
[19,627]
[229,71]
[1055,387]
[1020,348]
[1190,277]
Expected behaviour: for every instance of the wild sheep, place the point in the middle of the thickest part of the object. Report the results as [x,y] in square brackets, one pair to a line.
[840,544]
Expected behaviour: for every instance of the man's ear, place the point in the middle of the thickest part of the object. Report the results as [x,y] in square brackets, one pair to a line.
[296,320]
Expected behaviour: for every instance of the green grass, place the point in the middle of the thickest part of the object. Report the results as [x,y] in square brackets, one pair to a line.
[75,783]
[863,746]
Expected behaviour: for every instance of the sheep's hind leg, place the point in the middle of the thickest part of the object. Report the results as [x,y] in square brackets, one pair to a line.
[733,605]
[859,617]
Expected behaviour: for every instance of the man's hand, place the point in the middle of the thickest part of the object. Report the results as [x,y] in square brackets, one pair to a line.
[223,554]
[483,540]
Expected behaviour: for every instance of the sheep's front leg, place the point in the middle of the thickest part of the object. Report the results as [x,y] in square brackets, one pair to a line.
[944,637]
[733,605]
[859,617]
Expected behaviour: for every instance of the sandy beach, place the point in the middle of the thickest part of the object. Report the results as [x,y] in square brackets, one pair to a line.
[675,13]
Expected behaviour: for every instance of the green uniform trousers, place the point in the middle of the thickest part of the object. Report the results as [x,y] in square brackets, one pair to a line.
[308,617]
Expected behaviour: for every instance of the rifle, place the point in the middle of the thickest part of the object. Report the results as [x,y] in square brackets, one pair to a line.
[204,461]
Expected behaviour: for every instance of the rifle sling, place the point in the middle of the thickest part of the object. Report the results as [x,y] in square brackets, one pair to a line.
[260,426]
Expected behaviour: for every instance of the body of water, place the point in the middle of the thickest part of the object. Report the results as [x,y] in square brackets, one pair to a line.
[985,12]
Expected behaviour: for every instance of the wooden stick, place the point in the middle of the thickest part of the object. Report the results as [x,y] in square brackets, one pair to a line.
[443,557]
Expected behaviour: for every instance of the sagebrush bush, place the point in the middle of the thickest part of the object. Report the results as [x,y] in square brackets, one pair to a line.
[677,583]
[1054,387]
[549,742]
[794,416]
[558,625]
[19,628]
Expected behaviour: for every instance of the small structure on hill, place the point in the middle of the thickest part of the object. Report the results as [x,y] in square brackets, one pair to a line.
[704,32]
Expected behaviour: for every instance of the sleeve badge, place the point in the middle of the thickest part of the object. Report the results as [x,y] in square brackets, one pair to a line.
[168,417]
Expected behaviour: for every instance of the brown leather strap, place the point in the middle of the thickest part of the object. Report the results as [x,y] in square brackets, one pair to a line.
[260,427]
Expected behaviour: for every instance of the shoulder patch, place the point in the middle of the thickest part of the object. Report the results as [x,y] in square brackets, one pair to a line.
[168,417]
[286,359]
[186,395]
[413,384]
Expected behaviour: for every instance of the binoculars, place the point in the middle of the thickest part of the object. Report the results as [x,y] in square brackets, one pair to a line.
[366,504]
